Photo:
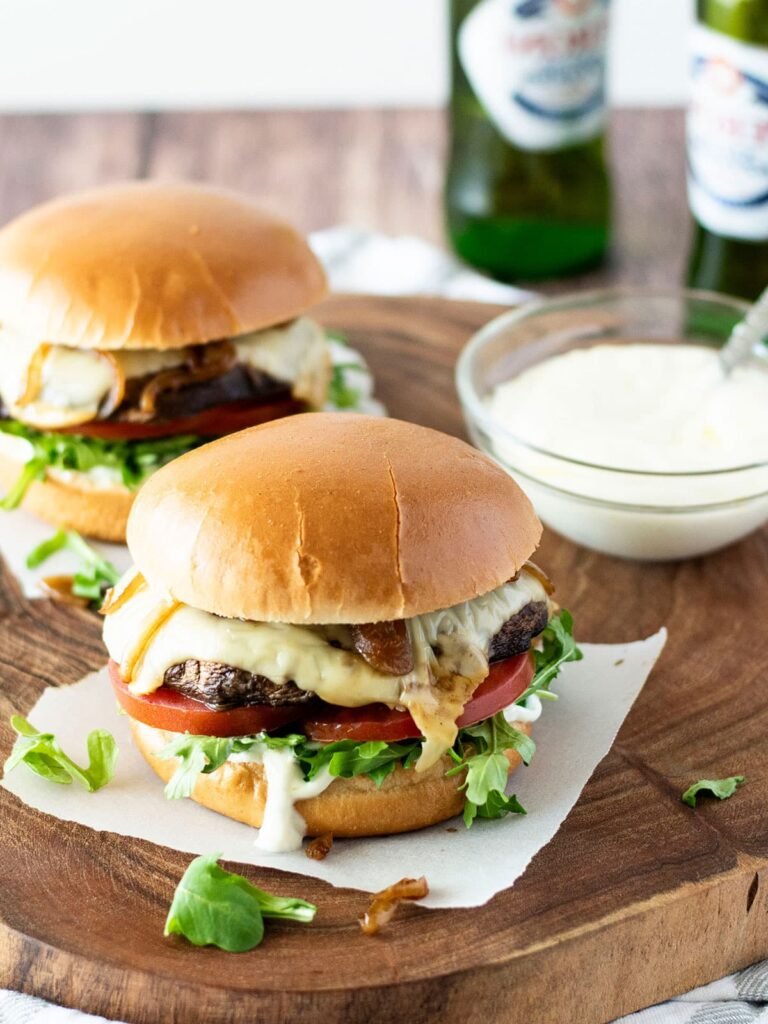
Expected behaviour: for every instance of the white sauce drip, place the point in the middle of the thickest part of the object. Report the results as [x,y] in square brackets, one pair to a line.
[528,712]
[283,828]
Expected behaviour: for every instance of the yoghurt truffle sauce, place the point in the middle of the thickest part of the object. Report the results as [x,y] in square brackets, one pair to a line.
[606,423]
[653,407]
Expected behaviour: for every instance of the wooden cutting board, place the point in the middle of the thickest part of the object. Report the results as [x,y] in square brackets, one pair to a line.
[636,899]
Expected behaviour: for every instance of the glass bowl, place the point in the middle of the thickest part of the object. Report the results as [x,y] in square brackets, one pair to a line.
[630,513]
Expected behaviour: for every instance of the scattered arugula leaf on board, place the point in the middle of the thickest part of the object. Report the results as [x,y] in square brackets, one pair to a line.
[40,752]
[95,575]
[134,461]
[721,788]
[214,907]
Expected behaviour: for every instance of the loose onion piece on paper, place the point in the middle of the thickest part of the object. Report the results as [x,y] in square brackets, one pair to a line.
[384,903]
[320,847]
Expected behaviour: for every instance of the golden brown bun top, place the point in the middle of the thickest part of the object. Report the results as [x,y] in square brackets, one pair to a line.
[152,265]
[331,518]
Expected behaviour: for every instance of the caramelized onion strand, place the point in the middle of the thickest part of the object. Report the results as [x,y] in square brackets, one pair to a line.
[202,363]
[34,379]
[384,903]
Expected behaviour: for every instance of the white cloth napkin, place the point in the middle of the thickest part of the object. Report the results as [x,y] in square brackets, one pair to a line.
[362,261]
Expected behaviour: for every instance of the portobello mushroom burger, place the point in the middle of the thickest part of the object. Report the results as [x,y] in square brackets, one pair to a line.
[138,321]
[332,626]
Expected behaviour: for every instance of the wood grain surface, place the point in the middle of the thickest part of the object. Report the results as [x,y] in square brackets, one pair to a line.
[637,898]
[373,168]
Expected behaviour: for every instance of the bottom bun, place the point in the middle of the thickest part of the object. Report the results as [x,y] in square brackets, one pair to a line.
[99,512]
[406,800]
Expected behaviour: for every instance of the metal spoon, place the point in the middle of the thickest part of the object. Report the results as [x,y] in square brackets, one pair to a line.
[746,336]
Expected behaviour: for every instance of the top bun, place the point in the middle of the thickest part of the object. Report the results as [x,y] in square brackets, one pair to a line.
[330,518]
[152,265]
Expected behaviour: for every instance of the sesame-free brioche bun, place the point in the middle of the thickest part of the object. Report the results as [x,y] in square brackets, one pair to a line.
[331,518]
[152,265]
[406,800]
[100,512]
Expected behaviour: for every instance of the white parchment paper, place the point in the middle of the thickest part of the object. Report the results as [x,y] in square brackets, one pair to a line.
[572,736]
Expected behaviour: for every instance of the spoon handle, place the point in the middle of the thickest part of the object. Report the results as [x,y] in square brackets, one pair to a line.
[747,333]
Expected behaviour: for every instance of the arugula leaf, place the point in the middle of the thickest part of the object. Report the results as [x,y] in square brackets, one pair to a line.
[487,768]
[347,758]
[197,755]
[721,788]
[33,470]
[344,759]
[214,907]
[338,336]
[40,752]
[133,460]
[95,576]
[340,393]
[497,805]
[558,646]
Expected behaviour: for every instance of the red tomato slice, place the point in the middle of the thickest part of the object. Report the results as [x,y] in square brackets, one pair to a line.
[168,709]
[213,422]
[505,682]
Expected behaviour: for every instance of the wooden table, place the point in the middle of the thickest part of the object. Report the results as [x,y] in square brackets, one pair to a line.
[379,169]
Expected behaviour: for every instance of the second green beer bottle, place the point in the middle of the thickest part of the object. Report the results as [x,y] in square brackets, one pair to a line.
[527,190]
[728,147]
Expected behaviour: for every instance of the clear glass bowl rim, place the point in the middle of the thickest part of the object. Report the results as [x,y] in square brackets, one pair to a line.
[473,403]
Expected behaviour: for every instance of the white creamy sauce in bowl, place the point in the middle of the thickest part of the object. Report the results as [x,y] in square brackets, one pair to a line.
[659,408]
[643,450]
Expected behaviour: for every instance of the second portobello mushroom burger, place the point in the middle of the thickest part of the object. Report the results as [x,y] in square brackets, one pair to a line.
[136,322]
[329,627]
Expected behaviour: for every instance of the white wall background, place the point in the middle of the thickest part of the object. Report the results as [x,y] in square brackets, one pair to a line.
[111,54]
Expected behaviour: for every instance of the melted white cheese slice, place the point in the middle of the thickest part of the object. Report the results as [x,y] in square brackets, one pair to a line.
[75,382]
[149,633]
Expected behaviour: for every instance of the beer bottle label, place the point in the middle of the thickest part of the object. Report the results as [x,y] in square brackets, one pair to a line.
[727,131]
[538,68]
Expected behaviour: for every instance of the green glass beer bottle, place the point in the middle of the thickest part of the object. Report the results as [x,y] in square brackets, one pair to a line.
[527,189]
[727,131]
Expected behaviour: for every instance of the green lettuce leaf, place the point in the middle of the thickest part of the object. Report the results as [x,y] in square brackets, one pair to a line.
[198,755]
[344,759]
[214,907]
[721,788]
[480,752]
[95,575]
[40,752]
[557,647]
[340,392]
[133,460]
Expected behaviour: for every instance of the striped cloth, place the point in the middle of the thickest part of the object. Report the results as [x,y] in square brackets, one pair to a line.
[361,261]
